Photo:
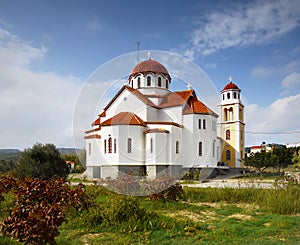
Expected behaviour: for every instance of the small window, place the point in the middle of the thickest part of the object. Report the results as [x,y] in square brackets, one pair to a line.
[238,96]
[204,124]
[129,145]
[115,145]
[109,145]
[139,82]
[200,148]
[148,81]
[223,97]
[228,95]
[227,134]
[104,146]
[177,147]
[199,124]
[166,83]
[234,95]
[213,148]
[159,82]
[228,155]
[151,145]
[90,149]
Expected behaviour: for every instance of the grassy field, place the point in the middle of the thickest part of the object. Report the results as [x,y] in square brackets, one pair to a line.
[201,216]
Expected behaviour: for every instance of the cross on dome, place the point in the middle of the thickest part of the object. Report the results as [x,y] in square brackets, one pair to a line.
[189,86]
[149,55]
[230,79]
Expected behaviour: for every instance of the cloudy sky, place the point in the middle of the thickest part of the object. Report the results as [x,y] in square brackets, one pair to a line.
[48,49]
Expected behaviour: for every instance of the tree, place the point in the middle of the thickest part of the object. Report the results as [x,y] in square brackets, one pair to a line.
[75,158]
[41,161]
[281,158]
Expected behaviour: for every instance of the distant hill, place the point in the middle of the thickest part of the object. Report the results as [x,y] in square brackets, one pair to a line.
[10,154]
[69,150]
[14,154]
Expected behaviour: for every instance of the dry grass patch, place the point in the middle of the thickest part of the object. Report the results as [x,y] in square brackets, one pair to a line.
[240,216]
[184,214]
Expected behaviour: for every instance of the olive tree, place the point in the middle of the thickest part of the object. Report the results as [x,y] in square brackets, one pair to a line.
[41,161]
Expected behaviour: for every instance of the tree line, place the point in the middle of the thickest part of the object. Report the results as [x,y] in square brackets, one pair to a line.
[43,161]
[276,159]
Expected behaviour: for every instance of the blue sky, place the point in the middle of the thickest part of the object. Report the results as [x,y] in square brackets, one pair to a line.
[49,48]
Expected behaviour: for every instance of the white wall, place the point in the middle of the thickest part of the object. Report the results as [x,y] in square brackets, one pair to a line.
[127,102]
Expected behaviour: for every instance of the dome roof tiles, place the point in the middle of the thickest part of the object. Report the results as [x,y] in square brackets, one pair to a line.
[149,66]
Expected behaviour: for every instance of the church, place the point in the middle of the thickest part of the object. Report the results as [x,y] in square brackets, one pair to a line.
[147,129]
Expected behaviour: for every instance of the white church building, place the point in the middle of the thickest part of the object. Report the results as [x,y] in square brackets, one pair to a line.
[147,129]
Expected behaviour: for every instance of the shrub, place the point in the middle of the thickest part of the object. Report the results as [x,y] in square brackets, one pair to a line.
[41,161]
[40,208]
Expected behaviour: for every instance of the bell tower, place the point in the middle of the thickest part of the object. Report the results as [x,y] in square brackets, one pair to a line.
[232,126]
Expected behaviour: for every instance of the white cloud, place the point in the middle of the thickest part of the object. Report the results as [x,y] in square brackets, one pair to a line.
[275,71]
[276,123]
[254,23]
[35,106]
[291,83]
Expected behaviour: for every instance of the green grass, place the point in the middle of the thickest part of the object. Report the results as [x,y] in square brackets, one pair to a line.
[204,216]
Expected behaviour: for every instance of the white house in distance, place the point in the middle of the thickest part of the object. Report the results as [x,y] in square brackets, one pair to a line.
[146,128]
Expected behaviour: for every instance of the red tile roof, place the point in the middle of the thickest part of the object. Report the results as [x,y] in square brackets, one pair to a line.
[96,122]
[230,85]
[94,136]
[156,130]
[149,66]
[92,130]
[176,98]
[194,106]
[256,147]
[124,118]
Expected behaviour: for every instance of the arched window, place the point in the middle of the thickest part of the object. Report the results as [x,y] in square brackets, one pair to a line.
[104,146]
[225,114]
[234,95]
[228,95]
[204,124]
[148,81]
[90,149]
[227,134]
[166,83]
[230,114]
[199,124]
[223,97]
[151,145]
[228,155]
[115,145]
[131,83]
[139,82]
[129,145]
[200,148]
[109,145]
[177,147]
[159,81]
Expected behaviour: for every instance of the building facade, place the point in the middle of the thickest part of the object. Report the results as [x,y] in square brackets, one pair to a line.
[146,129]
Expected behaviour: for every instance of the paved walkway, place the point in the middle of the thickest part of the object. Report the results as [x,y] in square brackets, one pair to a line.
[237,183]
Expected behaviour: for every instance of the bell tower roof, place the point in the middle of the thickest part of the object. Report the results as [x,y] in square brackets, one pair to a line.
[230,85]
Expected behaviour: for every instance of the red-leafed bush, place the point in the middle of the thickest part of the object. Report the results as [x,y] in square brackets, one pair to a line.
[40,208]
[7,183]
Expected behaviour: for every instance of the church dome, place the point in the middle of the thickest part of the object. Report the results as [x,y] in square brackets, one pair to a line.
[149,66]
[230,85]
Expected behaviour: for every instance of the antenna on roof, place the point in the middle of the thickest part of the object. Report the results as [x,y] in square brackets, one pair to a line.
[138,50]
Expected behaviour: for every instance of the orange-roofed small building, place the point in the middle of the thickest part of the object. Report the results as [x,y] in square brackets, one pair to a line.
[147,128]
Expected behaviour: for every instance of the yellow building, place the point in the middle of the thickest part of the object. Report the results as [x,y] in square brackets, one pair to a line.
[232,126]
